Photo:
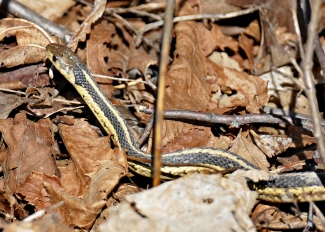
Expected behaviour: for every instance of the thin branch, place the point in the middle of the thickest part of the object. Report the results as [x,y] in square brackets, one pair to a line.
[133,11]
[320,54]
[310,91]
[146,131]
[21,11]
[238,120]
[163,66]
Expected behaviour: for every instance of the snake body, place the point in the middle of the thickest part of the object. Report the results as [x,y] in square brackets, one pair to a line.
[279,188]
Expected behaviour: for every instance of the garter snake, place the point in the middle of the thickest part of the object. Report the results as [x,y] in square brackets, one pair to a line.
[279,188]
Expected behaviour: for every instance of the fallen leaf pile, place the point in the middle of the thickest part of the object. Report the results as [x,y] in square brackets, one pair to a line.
[61,172]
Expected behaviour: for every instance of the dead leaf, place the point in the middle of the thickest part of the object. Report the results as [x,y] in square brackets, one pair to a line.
[21,78]
[87,151]
[74,212]
[21,55]
[185,80]
[33,191]
[251,91]
[272,218]
[10,207]
[214,39]
[8,102]
[25,32]
[272,145]
[83,212]
[27,151]
[247,150]
[103,182]
[80,35]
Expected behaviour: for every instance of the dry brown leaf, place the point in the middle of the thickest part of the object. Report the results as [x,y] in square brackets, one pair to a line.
[186,87]
[87,150]
[103,182]
[272,218]
[83,212]
[27,151]
[247,150]
[298,161]
[246,43]
[278,30]
[251,91]
[8,102]
[140,59]
[214,39]
[106,51]
[21,78]
[33,191]
[253,30]
[9,206]
[25,32]
[80,35]
[74,212]
[186,203]
[31,40]
[69,175]
[301,137]
[22,55]
[272,145]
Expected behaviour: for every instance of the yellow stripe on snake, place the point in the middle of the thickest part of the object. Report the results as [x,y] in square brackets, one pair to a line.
[279,188]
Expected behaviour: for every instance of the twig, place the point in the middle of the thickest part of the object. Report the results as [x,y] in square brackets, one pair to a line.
[146,131]
[238,120]
[119,79]
[19,10]
[307,64]
[163,66]
[320,54]
[133,11]
[212,17]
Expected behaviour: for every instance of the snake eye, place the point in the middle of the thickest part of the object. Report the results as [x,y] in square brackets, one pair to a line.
[54,58]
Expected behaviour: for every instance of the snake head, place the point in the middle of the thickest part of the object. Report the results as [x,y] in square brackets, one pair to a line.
[63,59]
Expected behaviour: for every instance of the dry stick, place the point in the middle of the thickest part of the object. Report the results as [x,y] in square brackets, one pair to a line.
[146,131]
[305,6]
[307,64]
[140,13]
[238,120]
[163,65]
[320,54]
[19,10]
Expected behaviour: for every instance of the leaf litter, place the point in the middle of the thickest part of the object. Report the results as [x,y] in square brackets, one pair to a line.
[52,150]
